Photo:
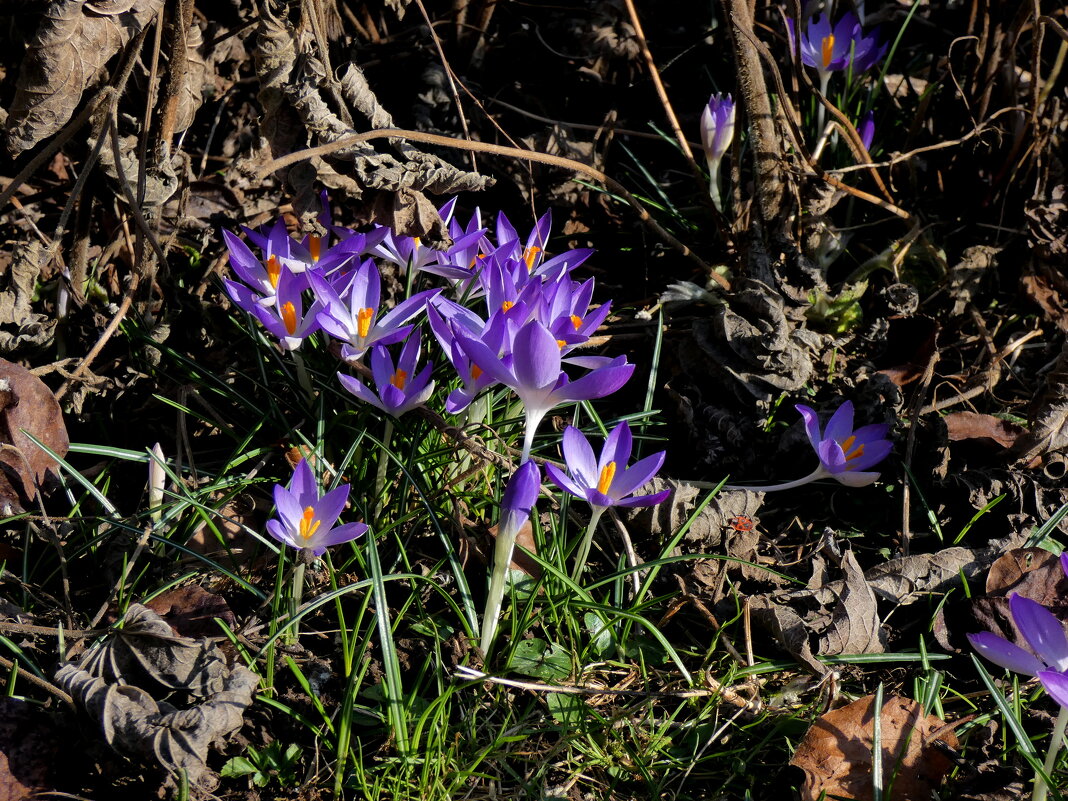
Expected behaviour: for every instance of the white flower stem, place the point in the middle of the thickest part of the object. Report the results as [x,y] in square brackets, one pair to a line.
[1040,791]
[713,184]
[587,539]
[502,558]
[825,81]
[383,463]
[295,596]
[800,482]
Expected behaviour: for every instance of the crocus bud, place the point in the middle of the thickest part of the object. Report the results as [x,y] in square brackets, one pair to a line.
[717,131]
[717,127]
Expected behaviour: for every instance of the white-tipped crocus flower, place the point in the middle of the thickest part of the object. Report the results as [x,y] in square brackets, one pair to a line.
[350,311]
[845,455]
[717,131]
[606,481]
[305,520]
[400,388]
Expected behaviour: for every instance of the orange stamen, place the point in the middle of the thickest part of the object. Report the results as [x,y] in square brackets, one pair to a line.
[508,304]
[561,344]
[530,254]
[363,321]
[308,524]
[604,483]
[399,378]
[315,244]
[274,270]
[475,260]
[828,50]
[289,317]
[476,371]
[856,454]
[576,321]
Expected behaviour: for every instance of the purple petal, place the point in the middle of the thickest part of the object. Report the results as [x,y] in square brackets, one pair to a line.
[831,456]
[637,475]
[303,486]
[840,426]
[345,533]
[1042,630]
[560,479]
[1004,654]
[522,490]
[329,507]
[281,533]
[381,367]
[616,448]
[597,384]
[874,452]
[536,356]
[645,500]
[579,456]
[354,386]
[1056,685]
[812,424]
[287,506]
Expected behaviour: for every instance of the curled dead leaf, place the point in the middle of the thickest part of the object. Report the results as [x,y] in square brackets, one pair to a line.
[110,684]
[836,752]
[27,406]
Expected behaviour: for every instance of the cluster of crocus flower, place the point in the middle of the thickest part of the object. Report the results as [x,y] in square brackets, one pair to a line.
[516,319]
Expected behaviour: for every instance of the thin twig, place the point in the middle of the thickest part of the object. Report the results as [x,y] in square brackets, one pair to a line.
[497,150]
[661,92]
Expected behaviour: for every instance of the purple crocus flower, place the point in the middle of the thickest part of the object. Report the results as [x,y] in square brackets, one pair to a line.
[1042,631]
[306,521]
[400,388]
[533,371]
[286,318]
[606,481]
[350,313]
[830,50]
[516,505]
[846,454]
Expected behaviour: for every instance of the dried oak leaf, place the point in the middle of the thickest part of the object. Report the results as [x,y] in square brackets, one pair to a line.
[971,425]
[836,752]
[73,43]
[20,327]
[843,620]
[137,723]
[26,404]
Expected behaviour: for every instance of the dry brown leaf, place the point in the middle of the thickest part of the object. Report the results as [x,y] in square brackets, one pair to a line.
[1049,430]
[144,652]
[970,425]
[26,404]
[73,42]
[191,610]
[20,327]
[855,625]
[836,752]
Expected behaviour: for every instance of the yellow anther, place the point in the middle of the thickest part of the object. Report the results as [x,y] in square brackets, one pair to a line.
[274,270]
[856,454]
[828,50]
[399,379]
[476,371]
[308,524]
[530,254]
[507,305]
[561,344]
[363,321]
[289,317]
[315,244]
[576,321]
[604,483]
